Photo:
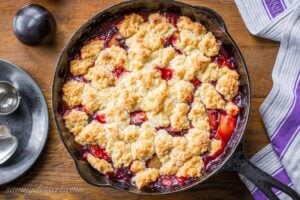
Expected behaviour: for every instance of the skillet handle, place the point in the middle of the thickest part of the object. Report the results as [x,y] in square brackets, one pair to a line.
[263,181]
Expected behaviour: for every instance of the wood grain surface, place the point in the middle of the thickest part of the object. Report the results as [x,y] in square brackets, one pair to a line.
[54,173]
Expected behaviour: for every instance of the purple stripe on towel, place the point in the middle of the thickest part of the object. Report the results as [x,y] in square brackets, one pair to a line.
[289,143]
[289,127]
[265,6]
[279,175]
[284,4]
[274,7]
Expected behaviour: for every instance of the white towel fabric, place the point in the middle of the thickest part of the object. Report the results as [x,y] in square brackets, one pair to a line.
[279,20]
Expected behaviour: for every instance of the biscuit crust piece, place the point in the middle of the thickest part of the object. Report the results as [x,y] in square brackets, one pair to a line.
[75,121]
[99,164]
[145,177]
[72,91]
[130,24]
[80,67]
[92,49]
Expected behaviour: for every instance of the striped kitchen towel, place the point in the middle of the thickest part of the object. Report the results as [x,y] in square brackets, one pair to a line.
[266,18]
[279,20]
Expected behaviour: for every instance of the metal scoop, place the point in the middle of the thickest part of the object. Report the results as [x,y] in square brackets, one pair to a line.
[9,98]
[8,144]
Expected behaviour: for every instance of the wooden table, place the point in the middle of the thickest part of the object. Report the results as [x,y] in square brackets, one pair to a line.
[55,169]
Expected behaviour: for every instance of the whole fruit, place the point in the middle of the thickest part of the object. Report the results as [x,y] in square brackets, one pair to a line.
[34,24]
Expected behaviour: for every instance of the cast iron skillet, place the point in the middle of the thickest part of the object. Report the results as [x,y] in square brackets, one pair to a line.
[233,158]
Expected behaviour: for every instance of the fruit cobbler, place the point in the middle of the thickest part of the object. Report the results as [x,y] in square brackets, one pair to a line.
[152,100]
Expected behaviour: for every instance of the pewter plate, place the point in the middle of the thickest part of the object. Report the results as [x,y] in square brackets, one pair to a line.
[29,123]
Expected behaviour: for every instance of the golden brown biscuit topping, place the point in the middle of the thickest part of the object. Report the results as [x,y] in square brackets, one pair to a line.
[154,104]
